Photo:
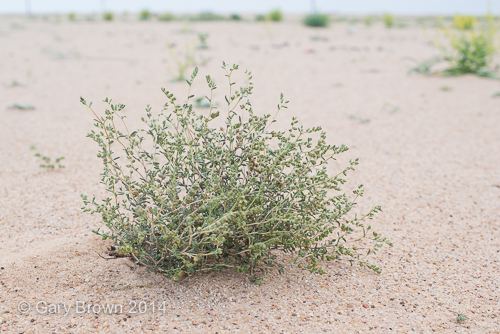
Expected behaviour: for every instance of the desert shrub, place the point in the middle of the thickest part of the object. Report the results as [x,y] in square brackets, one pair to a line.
[316,20]
[275,16]
[464,22]
[166,17]
[194,193]
[72,16]
[471,52]
[368,21]
[108,16]
[466,52]
[425,67]
[207,16]
[235,17]
[144,15]
[202,39]
[260,17]
[388,20]
[47,162]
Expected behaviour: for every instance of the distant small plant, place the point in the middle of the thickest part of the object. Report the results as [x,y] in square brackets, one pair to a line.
[388,20]
[47,162]
[208,16]
[144,15]
[108,16]
[182,63]
[235,17]
[185,60]
[166,17]
[201,102]
[316,20]
[425,67]
[189,197]
[20,106]
[72,16]
[368,21]
[460,317]
[472,52]
[445,89]
[260,18]
[319,38]
[202,39]
[275,16]
[464,22]
[467,52]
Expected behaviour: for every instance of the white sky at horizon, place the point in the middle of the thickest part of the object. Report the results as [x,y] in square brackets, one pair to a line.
[409,7]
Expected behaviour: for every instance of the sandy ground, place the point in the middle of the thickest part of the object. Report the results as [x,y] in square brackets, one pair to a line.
[430,156]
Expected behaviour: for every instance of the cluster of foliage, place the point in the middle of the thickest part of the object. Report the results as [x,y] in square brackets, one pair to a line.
[47,162]
[166,17]
[464,22]
[208,16]
[472,52]
[316,20]
[191,197]
[72,16]
[368,21]
[467,52]
[275,16]
[108,16]
[144,15]
[202,39]
[260,18]
[388,20]
[235,17]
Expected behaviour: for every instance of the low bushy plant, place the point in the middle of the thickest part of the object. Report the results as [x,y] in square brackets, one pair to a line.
[260,18]
[368,21]
[388,20]
[72,16]
[144,15]
[464,22]
[235,17]
[275,16]
[467,52]
[193,193]
[108,16]
[471,52]
[166,17]
[207,16]
[47,162]
[202,39]
[316,20]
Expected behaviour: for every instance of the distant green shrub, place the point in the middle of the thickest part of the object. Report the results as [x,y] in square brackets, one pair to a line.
[467,52]
[207,16]
[316,20]
[275,16]
[472,52]
[189,196]
[72,16]
[144,15]
[464,22]
[260,17]
[368,21]
[48,164]
[166,17]
[202,38]
[388,20]
[108,16]
[235,17]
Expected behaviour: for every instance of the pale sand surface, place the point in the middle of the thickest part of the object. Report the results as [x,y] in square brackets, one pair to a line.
[430,158]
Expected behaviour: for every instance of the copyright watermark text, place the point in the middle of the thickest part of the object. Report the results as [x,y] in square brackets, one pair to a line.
[81,307]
